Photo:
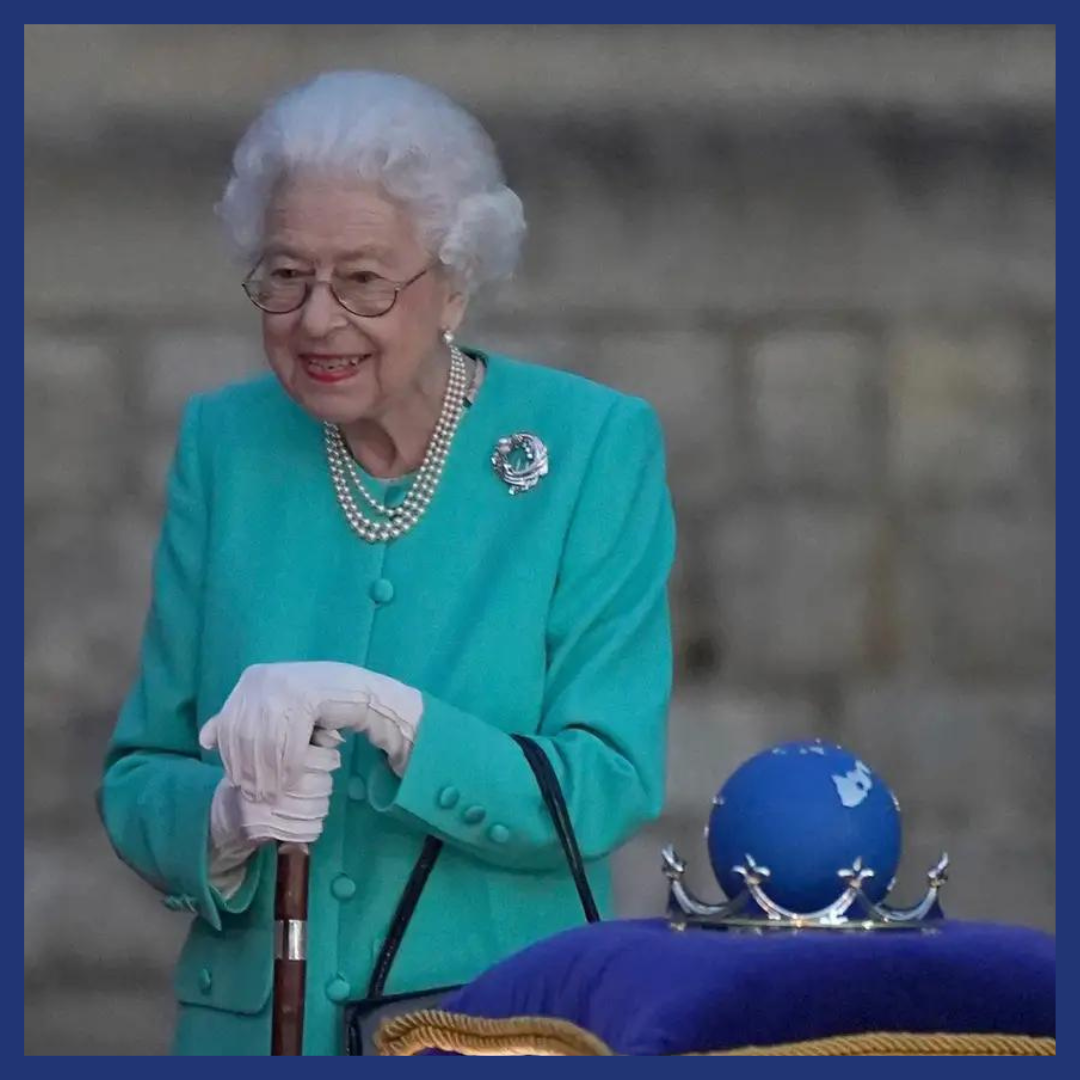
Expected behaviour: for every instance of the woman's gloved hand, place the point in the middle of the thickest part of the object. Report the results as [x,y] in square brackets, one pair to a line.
[239,825]
[266,723]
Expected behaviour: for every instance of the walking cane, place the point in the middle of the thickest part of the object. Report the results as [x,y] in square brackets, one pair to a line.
[290,950]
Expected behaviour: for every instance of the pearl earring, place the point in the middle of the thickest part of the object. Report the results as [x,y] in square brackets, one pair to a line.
[448,338]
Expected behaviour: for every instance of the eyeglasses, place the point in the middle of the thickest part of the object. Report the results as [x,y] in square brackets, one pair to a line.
[281,291]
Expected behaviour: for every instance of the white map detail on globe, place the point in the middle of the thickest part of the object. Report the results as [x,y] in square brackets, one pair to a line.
[854,786]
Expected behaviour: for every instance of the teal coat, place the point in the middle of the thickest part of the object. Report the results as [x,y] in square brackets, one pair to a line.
[545,613]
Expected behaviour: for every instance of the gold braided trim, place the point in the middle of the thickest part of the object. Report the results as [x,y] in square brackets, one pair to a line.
[434,1029]
[893,1043]
[474,1036]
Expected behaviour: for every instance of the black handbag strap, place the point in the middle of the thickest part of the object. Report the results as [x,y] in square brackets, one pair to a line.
[410,896]
[552,795]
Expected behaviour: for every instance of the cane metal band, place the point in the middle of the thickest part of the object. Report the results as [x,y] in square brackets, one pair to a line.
[290,939]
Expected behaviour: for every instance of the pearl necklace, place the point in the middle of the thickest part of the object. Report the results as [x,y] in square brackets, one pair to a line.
[398,520]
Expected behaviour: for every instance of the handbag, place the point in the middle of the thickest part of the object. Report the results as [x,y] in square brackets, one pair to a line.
[364,1016]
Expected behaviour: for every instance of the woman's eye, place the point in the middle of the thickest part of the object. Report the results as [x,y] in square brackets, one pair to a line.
[363,277]
[285,273]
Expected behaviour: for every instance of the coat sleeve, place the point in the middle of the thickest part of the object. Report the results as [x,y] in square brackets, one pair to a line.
[155,794]
[607,689]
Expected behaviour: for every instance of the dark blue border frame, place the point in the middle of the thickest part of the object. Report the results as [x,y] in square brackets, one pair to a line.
[604,13]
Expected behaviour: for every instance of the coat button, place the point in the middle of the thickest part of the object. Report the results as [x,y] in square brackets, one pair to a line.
[498,834]
[448,797]
[206,981]
[357,789]
[382,591]
[337,989]
[474,815]
[343,887]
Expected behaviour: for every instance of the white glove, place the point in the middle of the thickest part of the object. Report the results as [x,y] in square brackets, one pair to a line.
[386,712]
[267,721]
[239,825]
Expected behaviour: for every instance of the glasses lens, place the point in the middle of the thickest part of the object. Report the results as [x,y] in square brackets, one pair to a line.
[275,294]
[365,296]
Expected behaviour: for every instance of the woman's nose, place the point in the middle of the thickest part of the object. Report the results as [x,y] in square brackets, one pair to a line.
[321,311]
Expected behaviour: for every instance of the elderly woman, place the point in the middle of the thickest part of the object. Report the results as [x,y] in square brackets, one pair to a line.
[376,564]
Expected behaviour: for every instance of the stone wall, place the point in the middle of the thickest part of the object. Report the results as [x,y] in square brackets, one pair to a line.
[825,254]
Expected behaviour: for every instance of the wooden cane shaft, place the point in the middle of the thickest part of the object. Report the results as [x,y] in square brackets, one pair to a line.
[290,959]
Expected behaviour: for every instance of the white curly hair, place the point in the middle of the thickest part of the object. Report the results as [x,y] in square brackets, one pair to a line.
[412,140]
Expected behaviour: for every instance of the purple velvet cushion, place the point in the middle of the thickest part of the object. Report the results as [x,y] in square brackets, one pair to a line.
[646,989]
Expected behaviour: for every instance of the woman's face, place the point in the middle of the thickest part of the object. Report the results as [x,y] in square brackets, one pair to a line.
[336,365]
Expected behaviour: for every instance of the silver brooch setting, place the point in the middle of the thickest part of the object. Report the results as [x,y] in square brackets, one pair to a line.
[520,461]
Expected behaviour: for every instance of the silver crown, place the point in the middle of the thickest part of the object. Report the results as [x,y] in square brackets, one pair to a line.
[754,909]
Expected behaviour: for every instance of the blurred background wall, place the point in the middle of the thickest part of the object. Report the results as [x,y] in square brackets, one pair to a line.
[826,255]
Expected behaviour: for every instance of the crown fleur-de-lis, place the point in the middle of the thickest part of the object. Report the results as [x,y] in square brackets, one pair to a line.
[751,873]
[856,875]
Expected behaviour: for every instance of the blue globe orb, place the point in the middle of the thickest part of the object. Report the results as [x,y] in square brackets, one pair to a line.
[805,810]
